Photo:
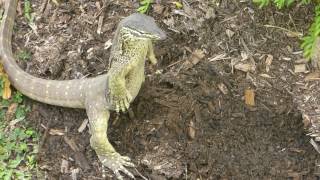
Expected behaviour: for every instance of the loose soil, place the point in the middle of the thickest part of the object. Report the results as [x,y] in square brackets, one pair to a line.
[190,120]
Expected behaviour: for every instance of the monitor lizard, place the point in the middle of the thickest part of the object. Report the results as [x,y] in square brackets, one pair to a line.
[115,90]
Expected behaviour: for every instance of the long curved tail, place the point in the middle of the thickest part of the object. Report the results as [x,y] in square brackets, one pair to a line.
[62,93]
[6,28]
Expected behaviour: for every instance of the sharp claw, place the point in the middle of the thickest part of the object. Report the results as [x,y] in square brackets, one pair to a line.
[124,170]
[129,97]
[128,164]
[117,108]
[126,161]
[126,103]
[111,99]
[126,158]
[118,175]
[122,106]
[117,164]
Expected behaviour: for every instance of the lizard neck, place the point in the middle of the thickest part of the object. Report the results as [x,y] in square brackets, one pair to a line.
[134,45]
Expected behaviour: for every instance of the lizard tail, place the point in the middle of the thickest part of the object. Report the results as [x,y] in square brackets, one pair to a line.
[18,78]
[6,28]
[62,93]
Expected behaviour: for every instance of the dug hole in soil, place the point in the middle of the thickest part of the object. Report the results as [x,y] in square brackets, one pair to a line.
[190,119]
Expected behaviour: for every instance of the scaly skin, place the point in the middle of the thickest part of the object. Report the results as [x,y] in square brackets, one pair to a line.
[112,91]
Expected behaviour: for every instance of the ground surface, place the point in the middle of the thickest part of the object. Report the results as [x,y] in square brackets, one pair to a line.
[190,120]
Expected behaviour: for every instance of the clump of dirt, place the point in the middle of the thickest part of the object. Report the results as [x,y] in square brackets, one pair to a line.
[190,120]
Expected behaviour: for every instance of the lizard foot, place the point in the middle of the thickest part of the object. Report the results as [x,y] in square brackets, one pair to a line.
[122,103]
[117,163]
[153,60]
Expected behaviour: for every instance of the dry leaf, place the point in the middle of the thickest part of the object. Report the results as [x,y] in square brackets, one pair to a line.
[223,88]
[11,110]
[301,61]
[197,113]
[6,89]
[100,23]
[244,55]
[108,44]
[266,76]
[268,62]
[286,58]
[64,168]
[312,76]
[56,2]
[1,70]
[249,97]
[246,67]
[74,173]
[230,33]
[299,68]
[83,125]
[210,13]
[158,8]
[195,58]
[58,132]
[178,4]
[191,130]
[306,120]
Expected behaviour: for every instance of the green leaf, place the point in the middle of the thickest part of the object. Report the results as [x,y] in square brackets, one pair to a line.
[24,55]
[15,163]
[21,112]
[8,174]
[144,6]
[23,147]
[30,132]
[18,97]
[27,10]
[262,3]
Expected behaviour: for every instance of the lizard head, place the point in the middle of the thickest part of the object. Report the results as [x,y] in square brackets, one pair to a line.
[142,26]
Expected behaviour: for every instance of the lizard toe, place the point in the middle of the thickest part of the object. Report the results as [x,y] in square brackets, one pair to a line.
[116,163]
[129,97]
[117,108]
[126,103]
[126,158]
[125,171]
[122,106]
[118,175]
[126,162]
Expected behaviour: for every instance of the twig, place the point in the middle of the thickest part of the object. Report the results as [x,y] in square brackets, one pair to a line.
[284,29]
[140,174]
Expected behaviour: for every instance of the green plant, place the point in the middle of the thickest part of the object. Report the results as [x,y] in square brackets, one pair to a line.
[18,142]
[308,41]
[18,148]
[27,11]
[144,6]
[279,3]
[24,55]
[1,86]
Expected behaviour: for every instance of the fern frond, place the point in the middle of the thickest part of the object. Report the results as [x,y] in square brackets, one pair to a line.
[309,41]
[262,3]
[283,3]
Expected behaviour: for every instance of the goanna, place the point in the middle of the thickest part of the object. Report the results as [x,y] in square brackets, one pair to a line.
[115,90]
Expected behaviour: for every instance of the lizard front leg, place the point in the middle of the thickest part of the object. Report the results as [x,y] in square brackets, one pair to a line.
[118,93]
[98,120]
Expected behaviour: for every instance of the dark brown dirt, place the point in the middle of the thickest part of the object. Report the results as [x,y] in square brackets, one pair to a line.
[190,120]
